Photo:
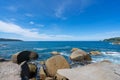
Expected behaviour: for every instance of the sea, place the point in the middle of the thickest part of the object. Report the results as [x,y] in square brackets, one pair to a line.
[44,48]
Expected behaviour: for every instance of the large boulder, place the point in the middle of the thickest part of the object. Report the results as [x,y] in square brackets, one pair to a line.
[79,55]
[55,53]
[96,71]
[95,53]
[9,71]
[54,63]
[24,56]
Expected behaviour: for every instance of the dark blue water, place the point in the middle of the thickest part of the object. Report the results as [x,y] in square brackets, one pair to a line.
[43,48]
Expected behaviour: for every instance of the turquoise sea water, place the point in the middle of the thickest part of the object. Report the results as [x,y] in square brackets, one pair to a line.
[43,48]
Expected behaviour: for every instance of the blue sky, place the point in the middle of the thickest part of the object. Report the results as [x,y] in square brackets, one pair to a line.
[51,20]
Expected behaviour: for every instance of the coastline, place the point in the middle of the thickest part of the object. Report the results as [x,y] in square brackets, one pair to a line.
[57,67]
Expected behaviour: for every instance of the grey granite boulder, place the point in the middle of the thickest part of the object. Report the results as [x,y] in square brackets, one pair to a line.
[97,71]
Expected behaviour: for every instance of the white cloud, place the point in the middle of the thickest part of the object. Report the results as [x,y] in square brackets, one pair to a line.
[12,28]
[31,22]
[29,34]
[33,34]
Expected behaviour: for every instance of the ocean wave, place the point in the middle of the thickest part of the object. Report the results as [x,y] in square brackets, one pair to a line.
[3,45]
[114,60]
[64,54]
[40,49]
[110,53]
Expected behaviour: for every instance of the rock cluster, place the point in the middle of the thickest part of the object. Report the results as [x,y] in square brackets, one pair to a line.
[28,70]
[57,67]
[52,65]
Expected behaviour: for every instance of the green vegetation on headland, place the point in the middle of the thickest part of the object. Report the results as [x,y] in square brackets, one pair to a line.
[4,39]
[115,40]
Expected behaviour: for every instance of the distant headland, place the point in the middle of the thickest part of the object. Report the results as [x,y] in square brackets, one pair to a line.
[115,40]
[5,39]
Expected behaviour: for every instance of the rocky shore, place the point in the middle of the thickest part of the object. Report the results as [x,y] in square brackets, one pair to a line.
[57,67]
[9,71]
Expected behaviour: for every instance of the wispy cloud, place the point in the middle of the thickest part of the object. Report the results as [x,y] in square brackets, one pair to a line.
[59,11]
[31,22]
[76,5]
[40,25]
[29,15]
[15,29]
[31,34]
[12,19]
[12,8]
[35,24]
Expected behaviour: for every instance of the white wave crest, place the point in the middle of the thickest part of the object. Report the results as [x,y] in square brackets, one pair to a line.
[65,54]
[40,49]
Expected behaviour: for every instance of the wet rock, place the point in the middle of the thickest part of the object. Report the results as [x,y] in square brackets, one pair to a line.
[2,60]
[95,53]
[95,71]
[42,62]
[55,53]
[54,63]
[88,57]
[106,61]
[42,73]
[59,77]
[116,43]
[28,70]
[79,55]
[24,56]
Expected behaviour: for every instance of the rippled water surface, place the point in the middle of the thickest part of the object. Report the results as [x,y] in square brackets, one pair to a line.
[43,48]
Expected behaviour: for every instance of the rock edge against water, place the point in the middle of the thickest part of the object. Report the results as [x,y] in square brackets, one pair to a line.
[57,68]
